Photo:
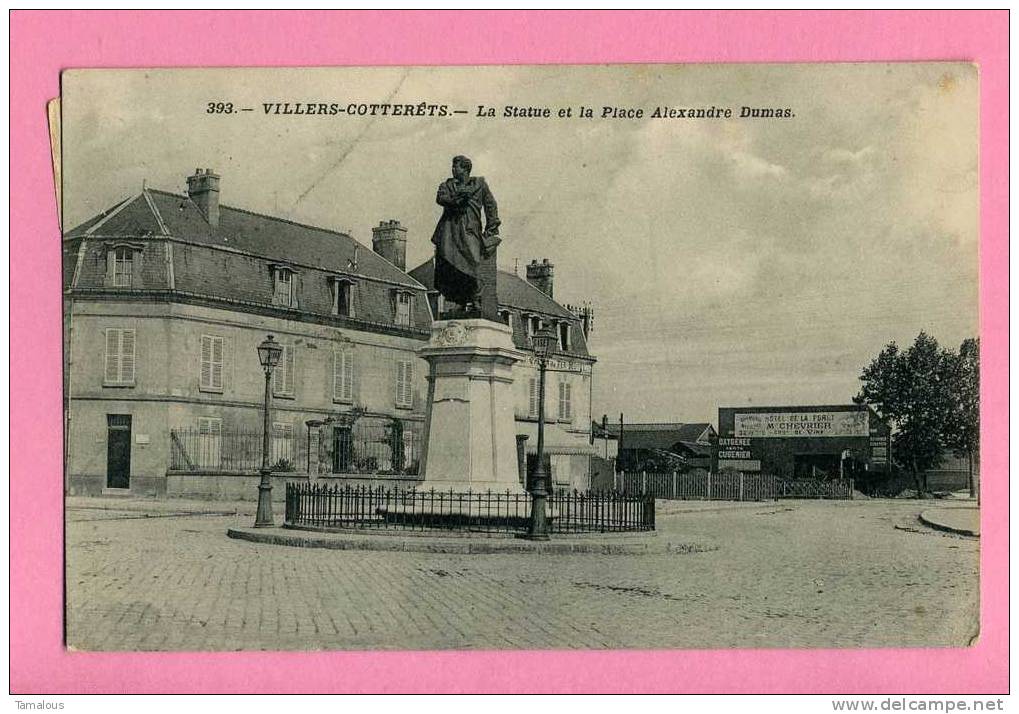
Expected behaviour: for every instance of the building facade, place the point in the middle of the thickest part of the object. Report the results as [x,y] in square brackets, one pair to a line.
[166,298]
[663,446]
[527,306]
[798,442]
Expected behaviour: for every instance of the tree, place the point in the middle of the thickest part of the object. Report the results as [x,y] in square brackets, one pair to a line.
[914,391]
[963,433]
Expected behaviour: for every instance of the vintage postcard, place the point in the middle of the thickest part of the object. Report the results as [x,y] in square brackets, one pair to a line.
[521,357]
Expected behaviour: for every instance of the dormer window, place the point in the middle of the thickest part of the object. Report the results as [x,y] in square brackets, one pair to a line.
[533,325]
[283,290]
[343,296]
[507,317]
[123,265]
[564,336]
[403,302]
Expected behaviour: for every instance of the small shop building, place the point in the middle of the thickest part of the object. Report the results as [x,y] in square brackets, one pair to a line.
[802,442]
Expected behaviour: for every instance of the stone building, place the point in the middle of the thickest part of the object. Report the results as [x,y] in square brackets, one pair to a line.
[526,306]
[166,297]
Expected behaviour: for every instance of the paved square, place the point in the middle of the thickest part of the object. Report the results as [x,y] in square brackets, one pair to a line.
[786,574]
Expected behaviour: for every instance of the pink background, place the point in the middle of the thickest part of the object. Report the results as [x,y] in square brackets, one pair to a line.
[43,43]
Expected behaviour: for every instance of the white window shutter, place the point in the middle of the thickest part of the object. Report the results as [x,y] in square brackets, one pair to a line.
[206,362]
[127,356]
[343,374]
[337,374]
[409,384]
[291,359]
[348,374]
[217,363]
[404,377]
[112,367]
[533,396]
[283,376]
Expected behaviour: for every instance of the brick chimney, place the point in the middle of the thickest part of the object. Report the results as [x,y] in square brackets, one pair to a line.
[540,275]
[203,189]
[389,239]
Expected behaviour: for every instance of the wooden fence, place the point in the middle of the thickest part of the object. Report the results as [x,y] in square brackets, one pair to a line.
[703,486]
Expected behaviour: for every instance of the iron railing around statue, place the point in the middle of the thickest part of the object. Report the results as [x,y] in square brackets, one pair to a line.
[332,507]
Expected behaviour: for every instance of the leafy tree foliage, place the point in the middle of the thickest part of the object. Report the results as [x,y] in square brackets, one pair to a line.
[963,433]
[918,392]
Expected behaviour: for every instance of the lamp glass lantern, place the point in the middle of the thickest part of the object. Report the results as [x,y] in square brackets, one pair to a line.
[269,353]
[545,341]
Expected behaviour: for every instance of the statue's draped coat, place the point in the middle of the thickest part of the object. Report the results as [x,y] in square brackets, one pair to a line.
[461,241]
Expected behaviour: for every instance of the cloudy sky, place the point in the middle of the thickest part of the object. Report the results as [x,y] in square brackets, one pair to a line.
[729,262]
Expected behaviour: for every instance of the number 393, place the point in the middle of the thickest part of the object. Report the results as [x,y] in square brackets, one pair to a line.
[219,108]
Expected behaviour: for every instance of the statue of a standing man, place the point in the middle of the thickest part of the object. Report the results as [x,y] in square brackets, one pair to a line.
[465,267]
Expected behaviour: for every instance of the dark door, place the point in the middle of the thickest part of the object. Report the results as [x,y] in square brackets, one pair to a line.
[343,450]
[118,450]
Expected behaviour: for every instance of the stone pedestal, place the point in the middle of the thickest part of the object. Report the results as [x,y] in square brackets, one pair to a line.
[470,432]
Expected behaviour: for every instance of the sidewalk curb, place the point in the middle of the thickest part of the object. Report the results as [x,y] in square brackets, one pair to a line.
[464,547]
[936,525]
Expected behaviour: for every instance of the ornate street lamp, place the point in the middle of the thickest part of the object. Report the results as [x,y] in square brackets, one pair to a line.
[545,342]
[269,354]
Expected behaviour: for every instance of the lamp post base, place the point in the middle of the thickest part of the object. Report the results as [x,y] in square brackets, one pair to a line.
[538,529]
[263,516]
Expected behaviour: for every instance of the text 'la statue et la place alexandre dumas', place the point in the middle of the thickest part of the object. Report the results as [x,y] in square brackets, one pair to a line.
[508,111]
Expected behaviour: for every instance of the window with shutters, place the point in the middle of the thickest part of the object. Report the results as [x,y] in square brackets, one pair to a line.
[282,453]
[405,384]
[343,374]
[210,377]
[532,397]
[565,401]
[404,302]
[210,442]
[283,286]
[283,374]
[120,358]
[123,267]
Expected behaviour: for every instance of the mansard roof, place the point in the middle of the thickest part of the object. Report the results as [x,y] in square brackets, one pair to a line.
[154,213]
[180,253]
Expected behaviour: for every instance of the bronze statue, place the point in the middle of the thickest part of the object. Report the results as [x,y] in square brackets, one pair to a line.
[465,251]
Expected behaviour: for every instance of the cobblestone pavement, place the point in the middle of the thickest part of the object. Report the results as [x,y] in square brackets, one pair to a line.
[787,574]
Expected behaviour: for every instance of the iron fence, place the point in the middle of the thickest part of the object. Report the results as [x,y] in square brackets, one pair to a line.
[841,489]
[378,446]
[327,507]
[368,447]
[198,450]
[729,486]
[699,486]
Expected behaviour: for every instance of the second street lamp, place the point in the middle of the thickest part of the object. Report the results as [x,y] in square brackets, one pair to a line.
[544,341]
[269,354]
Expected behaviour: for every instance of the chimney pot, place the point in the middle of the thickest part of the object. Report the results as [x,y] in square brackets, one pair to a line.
[540,275]
[203,189]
